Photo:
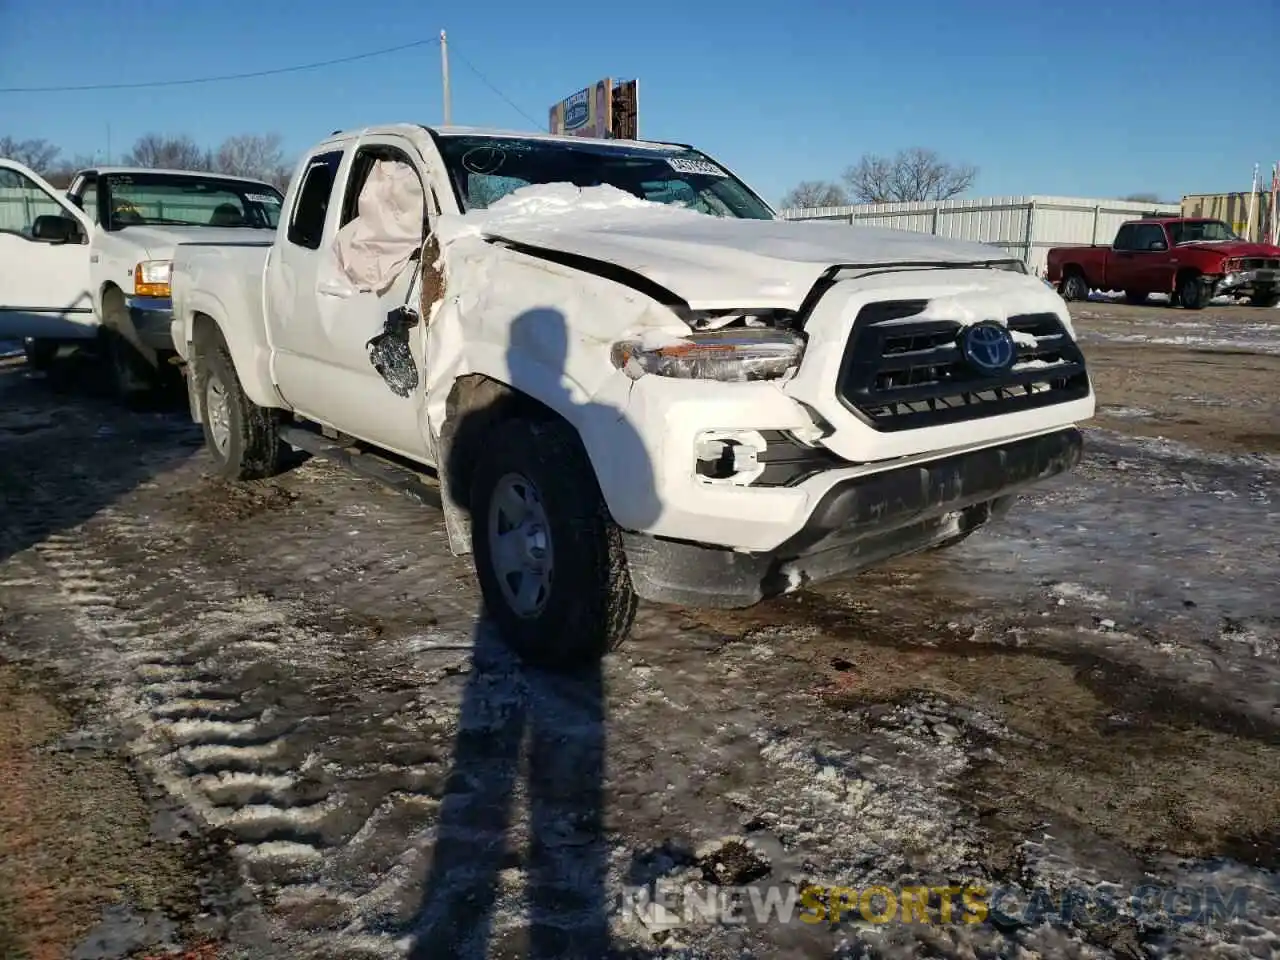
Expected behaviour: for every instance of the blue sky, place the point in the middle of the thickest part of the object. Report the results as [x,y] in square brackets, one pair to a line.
[1091,99]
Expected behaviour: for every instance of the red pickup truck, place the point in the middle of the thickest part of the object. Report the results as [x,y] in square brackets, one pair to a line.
[1191,259]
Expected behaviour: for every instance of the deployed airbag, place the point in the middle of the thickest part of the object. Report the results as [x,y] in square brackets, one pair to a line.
[375,247]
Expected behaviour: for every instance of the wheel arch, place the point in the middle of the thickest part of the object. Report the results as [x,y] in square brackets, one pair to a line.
[476,403]
[206,324]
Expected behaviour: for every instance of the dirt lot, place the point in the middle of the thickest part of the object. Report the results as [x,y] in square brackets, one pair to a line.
[291,737]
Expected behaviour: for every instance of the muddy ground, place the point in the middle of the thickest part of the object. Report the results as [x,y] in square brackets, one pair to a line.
[264,721]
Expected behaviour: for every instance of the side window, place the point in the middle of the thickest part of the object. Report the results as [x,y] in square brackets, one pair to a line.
[22,203]
[1126,237]
[306,228]
[361,167]
[89,199]
[1148,234]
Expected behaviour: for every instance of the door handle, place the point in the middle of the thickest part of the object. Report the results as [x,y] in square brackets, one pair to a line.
[330,289]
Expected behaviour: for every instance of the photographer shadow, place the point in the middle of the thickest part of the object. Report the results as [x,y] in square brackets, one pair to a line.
[551,897]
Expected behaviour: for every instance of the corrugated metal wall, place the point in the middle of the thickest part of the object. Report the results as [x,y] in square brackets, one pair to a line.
[1025,226]
[1233,210]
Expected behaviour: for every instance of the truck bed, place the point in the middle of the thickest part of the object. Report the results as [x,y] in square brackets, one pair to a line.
[231,272]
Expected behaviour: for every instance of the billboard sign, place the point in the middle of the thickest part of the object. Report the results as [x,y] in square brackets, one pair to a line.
[600,110]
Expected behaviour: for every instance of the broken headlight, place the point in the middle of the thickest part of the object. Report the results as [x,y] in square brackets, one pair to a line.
[741,354]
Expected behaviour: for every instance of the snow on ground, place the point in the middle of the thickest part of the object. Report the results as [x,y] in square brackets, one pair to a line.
[1248,329]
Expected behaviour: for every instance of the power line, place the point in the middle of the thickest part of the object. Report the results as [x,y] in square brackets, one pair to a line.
[229,76]
[485,80]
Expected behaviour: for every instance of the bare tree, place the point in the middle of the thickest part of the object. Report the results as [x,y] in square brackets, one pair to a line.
[815,193]
[173,153]
[912,174]
[39,155]
[62,172]
[253,155]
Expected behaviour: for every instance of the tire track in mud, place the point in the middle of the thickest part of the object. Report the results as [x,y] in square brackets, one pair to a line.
[193,672]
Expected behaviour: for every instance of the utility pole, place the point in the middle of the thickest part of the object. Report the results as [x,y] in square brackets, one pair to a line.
[444,78]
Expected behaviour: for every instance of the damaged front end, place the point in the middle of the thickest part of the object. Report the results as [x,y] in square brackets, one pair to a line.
[728,346]
[794,447]
[1248,277]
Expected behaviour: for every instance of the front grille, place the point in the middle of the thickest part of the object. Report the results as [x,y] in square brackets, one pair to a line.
[902,371]
[1259,263]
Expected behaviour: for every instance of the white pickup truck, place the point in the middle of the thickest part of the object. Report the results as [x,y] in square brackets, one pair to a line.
[91,266]
[628,377]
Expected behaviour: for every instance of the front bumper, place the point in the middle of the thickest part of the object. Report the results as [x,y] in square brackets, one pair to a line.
[151,318]
[860,522]
[1247,281]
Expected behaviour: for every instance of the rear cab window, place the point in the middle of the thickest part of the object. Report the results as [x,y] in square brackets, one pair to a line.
[311,206]
[135,199]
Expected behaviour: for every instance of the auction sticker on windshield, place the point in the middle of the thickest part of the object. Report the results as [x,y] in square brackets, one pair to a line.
[262,198]
[685,165]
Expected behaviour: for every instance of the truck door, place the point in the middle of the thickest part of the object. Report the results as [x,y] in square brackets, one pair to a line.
[319,323]
[45,290]
[1139,261]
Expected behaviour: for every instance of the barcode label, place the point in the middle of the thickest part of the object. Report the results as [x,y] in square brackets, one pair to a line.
[684,165]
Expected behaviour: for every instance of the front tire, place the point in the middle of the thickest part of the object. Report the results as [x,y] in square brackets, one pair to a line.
[242,437]
[1269,299]
[1193,292]
[548,555]
[132,380]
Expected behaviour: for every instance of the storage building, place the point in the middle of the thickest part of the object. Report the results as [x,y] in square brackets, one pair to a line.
[1025,226]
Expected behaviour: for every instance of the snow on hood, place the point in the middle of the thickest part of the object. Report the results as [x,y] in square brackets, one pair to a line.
[159,239]
[710,262]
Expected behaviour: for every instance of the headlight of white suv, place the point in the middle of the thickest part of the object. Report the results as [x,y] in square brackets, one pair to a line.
[151,278]
[741,354]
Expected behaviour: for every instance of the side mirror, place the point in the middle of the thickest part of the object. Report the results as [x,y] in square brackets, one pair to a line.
[1157,245]
[54,228]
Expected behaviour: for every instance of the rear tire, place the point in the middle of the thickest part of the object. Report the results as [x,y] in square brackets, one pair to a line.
[577,603]
[243,438]
[1074,287]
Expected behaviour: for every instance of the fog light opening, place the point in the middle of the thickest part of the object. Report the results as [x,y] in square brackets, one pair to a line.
[730,457]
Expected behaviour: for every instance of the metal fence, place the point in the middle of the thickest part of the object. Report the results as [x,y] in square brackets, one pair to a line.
[1025,226]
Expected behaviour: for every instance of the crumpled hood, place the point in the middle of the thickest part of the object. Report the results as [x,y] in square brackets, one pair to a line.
[160,239]
[709,262]
[1234,248]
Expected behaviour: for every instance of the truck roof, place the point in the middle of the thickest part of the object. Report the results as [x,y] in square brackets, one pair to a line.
[104,171]
[410,128]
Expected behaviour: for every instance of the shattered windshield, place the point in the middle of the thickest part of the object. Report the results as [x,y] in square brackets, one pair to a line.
[134,199]
[1203,231]
[485,169]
